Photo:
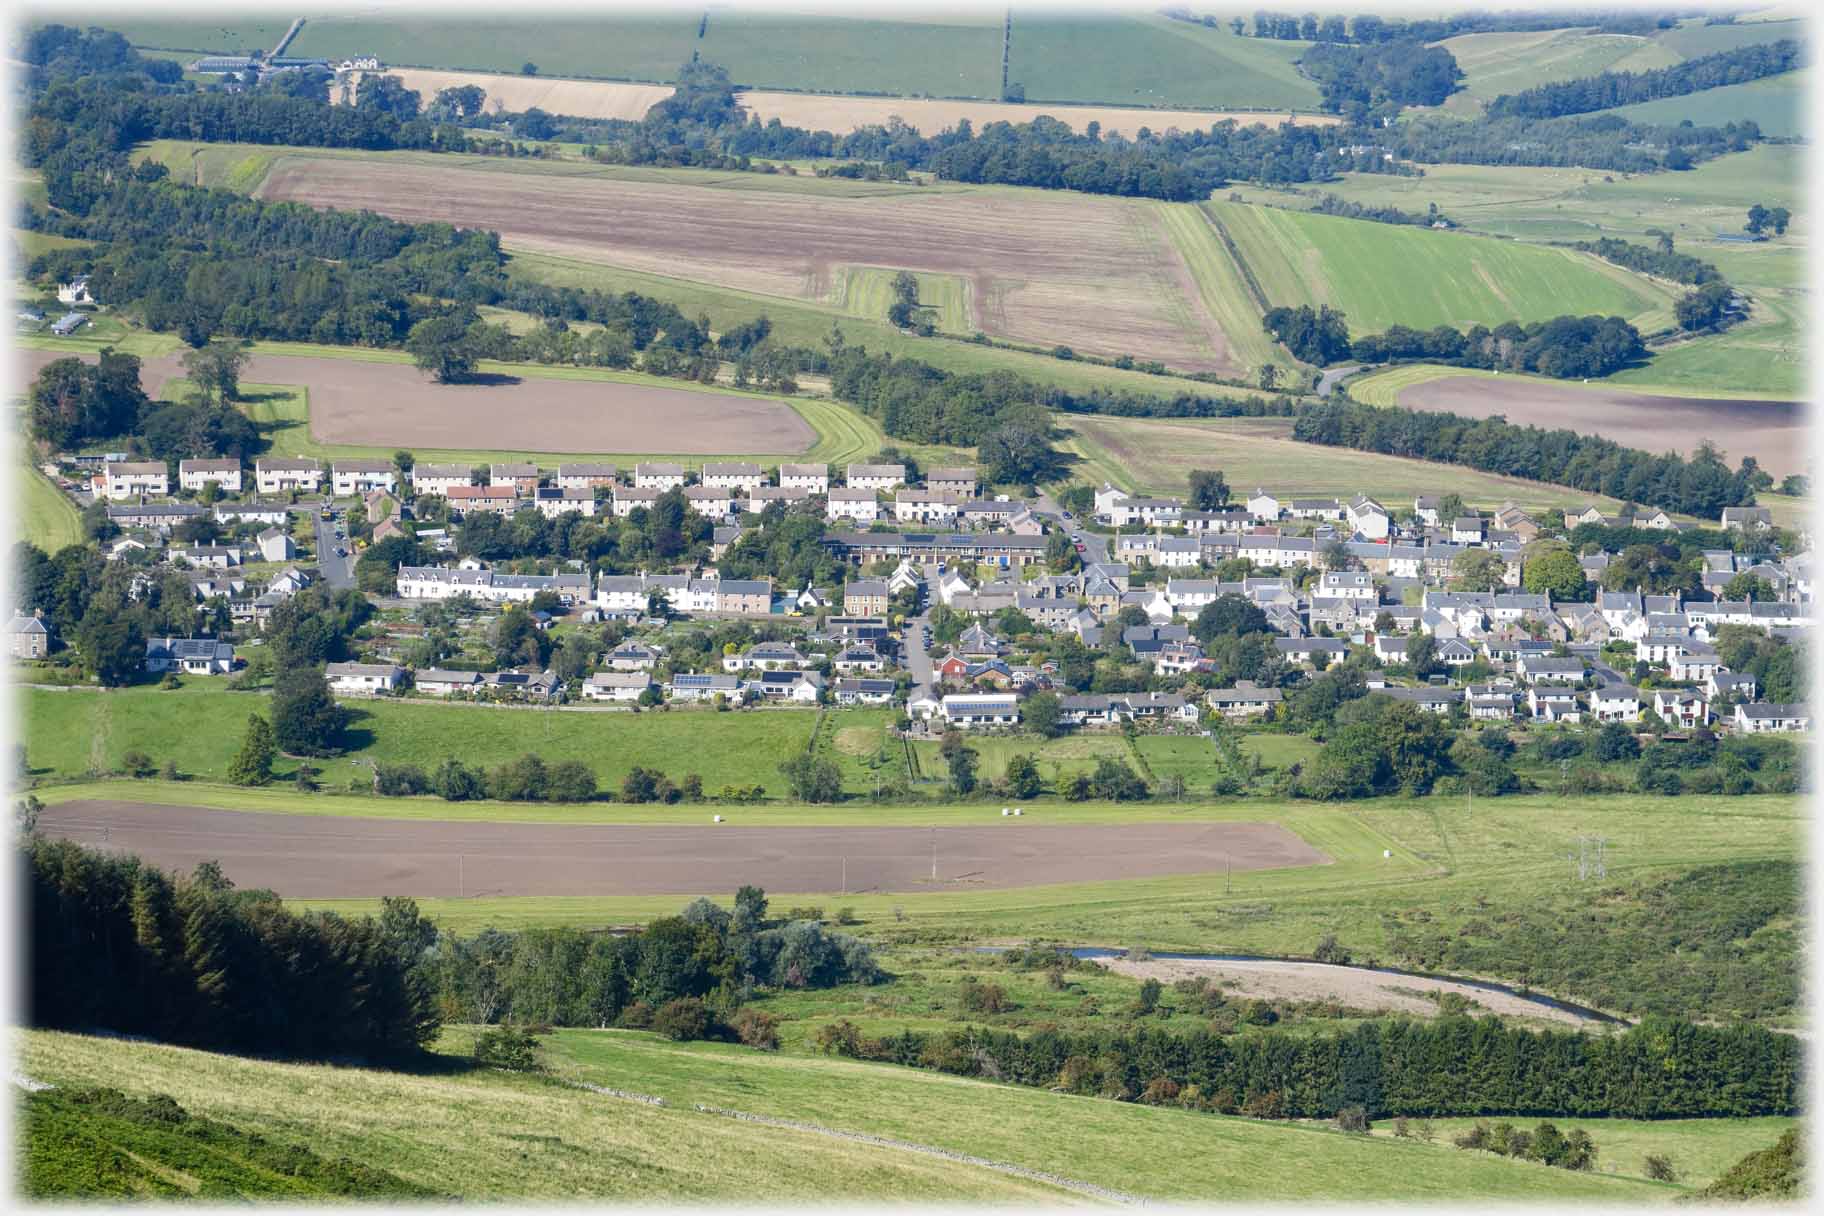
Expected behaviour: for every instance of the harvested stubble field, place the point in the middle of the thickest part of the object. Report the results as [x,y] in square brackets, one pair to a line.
[1773,432]
[310,857]
[1098,274]
[387,403]
[837,113]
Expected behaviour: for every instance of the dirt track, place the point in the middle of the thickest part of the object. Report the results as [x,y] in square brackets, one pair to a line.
[1773,432]
[1099,274]
[325,857]
[395,405]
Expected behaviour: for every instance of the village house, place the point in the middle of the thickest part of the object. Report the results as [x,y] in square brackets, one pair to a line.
[192,656]
[732,475]
[1681,708]
[443,582]
[696,686]
[812,477]
[626,686]
[586,476]
[280,476]
[439,479]
[1368,518]
[924,507]
[1722,684]
[866,597]
[273,514]
[519,477]
[362,476]
[1245,700]
[1553,704]
[1263,506]
[633,656]
[864,692]
[123,479]
[857,506]
[764,655]
[758,497]
[437,682]
[28,637]
[76,293]
[1747,519]
[628,499]
[1765,717]
[975,711]
[364,678]
[524,685]
[960,481]
[875,476]
[1615,703]
[802,687]
[193,475]
[658,475]
[1492,702]
[553,501]
[497,500]
[856,658]
[209,557]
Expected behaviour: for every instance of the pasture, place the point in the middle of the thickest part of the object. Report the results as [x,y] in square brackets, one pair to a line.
[485,1135]
[1156,456]
[1777,104]
[1150,60]
[1118,287]
[1381,275]
[1494,64]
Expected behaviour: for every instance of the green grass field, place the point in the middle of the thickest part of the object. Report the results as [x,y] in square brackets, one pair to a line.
[1382,274]
[1693,38]
[32,244]
[483,1135]
[1776,103]
[1156,456]
[203,35]
[46,517]
[867,292]
[200,725]
[1219,281]
[1494,64]
[1190,757]
[1150,60]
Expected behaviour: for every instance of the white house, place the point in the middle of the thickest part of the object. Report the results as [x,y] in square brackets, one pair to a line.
[131,478]
[552,501]
[1263,506]
[859,506]
[438,479]
[658,475]
[629,498]
[812,477]
[436,682]
[75,292]
[733,475]
[967,711]
[715,502]
[194,656]
[280,476]
[1355,585]
[1368,518]
[1763,717]
[1681,708]
[585,476]
[518,476]
[924,507]
[364,678]
[193,475]
[875,476]
[617,685]
[1615,703]
[361,476]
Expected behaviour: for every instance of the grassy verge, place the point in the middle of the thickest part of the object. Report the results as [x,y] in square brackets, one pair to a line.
[46,516]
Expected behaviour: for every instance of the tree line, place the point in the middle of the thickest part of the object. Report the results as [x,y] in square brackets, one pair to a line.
[1564,347]
[1595,141]
[1453,1066]
[1662,261]
[117,944]
[1606,90]
[1334,204]
[1368,28]
[1701,486]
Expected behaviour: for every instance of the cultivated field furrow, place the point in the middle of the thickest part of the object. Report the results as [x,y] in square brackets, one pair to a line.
[1097,274]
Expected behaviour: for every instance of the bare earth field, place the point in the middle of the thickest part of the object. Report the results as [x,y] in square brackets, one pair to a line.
[824,111]
[310,857]
[1095,273]
[1773,432]
[1269,979]
[394,404]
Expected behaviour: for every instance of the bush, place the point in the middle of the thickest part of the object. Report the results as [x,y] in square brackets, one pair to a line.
[978,997]
[757,1029]
[637,1016]
[506,1047]
[1160,1091]
[400,780]
[1659,1168]
[1353,1119]
[137,764]
[682,1020]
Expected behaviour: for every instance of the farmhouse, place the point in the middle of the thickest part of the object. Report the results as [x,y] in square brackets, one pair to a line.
[364,678]
[279,476]
[131,478]
[361,476]
[193,475]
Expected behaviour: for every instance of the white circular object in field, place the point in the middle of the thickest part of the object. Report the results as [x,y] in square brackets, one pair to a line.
[717,818]
[1016,810]
[1005,812]
[1386,852]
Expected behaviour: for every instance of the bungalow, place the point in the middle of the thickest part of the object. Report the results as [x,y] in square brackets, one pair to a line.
[553,501]
[970,711]
[1747,519]
[875,476]
[633,656]
[858,658]
[1431,700]
[866,597]
[586,476]
[691,686]
[860,506]
[803,687]
[1544,669]
[439,479]
[1763,717]
[1245,700]
[1391,648]
[812,477]
[363,476]
[958,481]
[364,678]
[1679,707]
[273,514]
[193,475]
[733,475]
[280,476]
[497,500]
[193,656]
[1615,703]
[1306,650]
[525,685]
[517,476]
[437,682]
[1147,640]
[209,557]
[1230,522]
[123,479]
[864,692]
[617,685]
[1315,508]
[658,475]
[766,655]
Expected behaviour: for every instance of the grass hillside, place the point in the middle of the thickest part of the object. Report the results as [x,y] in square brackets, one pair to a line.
[489,1135]
[867,292]
[46,517]
[1777,104]
[1384,274]
[493,1136]
[1494,64]
[1151,60]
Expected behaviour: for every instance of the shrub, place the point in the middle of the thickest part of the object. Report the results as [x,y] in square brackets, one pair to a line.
[1659,1168]
[137,764]
[840,1037]
[506,1047]
[400,780]
[757,1029]
[682,1020]
[1149,995]
[1353,1119]
[1160,1091]
[984,998]
[1328,951]
[637,1016]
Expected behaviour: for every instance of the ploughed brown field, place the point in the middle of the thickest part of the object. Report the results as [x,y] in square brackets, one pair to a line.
[324,857]
[1773,432]
[1094,273]
[395,405]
